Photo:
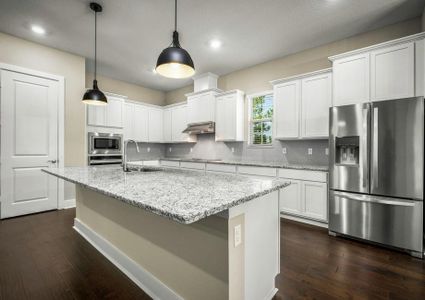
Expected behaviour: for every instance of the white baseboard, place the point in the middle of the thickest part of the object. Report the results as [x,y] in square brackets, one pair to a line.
[145,280]
[302,220]
[68,203]
[271,294]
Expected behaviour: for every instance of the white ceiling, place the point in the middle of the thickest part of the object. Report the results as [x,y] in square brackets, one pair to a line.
[132,33]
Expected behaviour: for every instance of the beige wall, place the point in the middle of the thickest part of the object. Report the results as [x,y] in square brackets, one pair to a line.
[132,91]
[27,54]
[256,78]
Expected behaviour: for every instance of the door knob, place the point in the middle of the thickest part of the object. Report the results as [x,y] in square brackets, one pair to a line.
[53,161]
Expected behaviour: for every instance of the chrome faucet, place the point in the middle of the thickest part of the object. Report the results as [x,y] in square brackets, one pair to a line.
[124,160]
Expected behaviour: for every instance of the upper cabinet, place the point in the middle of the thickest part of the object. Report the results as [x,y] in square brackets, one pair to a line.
[175,121]
[110,115]
[229,116]
[201,106]
[301,108]
[386,71]
[155,127]
[351,80]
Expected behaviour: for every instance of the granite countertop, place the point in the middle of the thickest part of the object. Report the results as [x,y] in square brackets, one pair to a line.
[276,164]
[181,195]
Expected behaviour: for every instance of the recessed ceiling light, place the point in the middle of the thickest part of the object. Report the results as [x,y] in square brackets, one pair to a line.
[38,29]
[154,71]
[215,44]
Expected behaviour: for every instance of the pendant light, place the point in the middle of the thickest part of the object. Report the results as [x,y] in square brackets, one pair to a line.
[95,96]
[174,61]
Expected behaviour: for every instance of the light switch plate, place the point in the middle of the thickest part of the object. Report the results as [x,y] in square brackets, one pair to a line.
[149,149]
[169,149]
[327,151]
[284,150]
[233,150]
[238,235]
[191,149]
[310,151]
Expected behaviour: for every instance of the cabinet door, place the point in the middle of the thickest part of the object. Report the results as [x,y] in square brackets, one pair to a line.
[194,109]
[141,119]
[201,108]
[179,123]
[290,198]
[225,126]
[129,121]
[96,115]
[351,80]
[168,125]
[393,72]
[315,200]
[316,98]
[155,126]
[115,112]
[287,110]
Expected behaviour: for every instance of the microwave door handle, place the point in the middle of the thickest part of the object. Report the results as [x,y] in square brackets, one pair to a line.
[375,155]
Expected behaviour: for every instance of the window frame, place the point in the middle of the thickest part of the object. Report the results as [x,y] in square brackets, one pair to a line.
[251,121]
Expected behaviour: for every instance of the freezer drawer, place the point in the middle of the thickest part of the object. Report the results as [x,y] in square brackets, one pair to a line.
[389,221]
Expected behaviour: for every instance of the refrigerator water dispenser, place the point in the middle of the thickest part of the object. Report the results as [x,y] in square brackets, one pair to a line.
[347,150]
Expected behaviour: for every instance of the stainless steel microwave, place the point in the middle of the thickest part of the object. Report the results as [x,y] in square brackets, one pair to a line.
[104,143]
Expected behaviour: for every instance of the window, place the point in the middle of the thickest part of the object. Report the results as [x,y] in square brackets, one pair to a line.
[261,118]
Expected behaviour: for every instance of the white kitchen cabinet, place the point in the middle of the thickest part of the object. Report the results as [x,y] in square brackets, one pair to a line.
[351,79]
[316,99]
[168,125]
[315,200]
[129,121]
[155,126]
[110,115]
[290,198]
[287,97]
[393,72]
[141,123]
[179,123]
[229,116]
[201,106]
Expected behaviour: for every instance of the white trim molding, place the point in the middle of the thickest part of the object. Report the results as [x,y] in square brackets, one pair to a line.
[300,76]
[145,280]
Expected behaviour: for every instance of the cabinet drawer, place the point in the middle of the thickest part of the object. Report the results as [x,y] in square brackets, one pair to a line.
[258,171]
[170,163]
[221,168]
[192,165]
[151,163]
[303,175]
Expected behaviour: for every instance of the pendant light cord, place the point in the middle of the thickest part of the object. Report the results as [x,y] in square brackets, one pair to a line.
[175,15]
[95,45]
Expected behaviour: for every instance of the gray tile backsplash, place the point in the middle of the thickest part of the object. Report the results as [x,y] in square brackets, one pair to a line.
[207,148]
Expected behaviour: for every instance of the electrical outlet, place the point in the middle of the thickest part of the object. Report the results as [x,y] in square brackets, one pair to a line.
[148,149]
[310,151]
[233,150]
[284,150]
[169,149]
[327,151]
[191,149]
[237,235]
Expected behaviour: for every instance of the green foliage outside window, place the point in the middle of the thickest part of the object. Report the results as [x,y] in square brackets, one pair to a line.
[262,114]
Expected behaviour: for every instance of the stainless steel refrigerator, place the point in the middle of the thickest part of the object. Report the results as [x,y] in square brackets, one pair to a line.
[377,172]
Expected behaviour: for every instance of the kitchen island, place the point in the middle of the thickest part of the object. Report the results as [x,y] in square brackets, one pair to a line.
[182,234]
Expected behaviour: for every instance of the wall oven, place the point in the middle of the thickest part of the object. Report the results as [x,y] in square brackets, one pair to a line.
[104,148]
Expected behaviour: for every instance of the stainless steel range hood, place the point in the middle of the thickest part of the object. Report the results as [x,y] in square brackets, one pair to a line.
[199,128]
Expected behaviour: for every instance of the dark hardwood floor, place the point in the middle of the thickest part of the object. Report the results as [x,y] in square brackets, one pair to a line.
[42,257]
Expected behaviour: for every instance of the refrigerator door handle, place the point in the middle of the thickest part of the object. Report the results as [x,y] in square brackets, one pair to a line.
[375,158]
[364,146]
[373,199]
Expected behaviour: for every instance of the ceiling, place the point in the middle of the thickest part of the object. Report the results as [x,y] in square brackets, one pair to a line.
[132,33]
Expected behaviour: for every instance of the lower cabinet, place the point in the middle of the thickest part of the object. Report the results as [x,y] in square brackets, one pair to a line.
[305,199]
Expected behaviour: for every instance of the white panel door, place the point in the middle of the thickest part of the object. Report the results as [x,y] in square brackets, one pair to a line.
[287,98]
[155,125]
[316,99]
[315,200]
[393,72]
[96,115]
[351,80]
[179,123]
[141,122]
[114,112]
[226,118]
[29,134]
[168,127]
[290,198]
[128,121]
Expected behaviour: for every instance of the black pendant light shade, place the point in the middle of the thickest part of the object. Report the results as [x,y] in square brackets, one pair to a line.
[95,96]
[174,61]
